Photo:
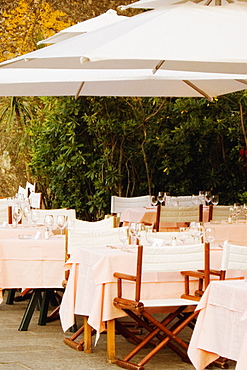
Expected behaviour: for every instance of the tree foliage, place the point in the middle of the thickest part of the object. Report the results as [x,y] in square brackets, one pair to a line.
[84,151]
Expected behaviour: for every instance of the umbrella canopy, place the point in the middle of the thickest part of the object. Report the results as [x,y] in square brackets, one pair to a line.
[89,25]
[153,4]
[55,82]
[181,37]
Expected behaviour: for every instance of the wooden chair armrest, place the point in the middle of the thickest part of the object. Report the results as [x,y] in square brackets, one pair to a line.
[197,274]
[120,275]
[126,303]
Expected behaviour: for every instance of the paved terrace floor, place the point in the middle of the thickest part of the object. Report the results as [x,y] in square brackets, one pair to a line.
[42,347]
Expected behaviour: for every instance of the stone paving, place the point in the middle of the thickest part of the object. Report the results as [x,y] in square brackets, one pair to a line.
[42,347]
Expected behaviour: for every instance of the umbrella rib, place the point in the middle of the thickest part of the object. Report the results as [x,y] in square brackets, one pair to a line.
[158,66]
[79,90]
[242,81]
[198,90]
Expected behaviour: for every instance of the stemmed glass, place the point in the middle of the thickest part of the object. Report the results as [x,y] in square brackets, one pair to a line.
[209,235]
[182,234]
[135,230]
[150,235]
[245,210]
[237,210]
[161,197]
[207,197]
[214,199]
[17,213]
[61,222]
[154,200]
[49,222]
[123,235]
[35,216]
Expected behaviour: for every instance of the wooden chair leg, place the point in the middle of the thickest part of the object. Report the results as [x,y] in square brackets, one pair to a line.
[87,336]
[111,341]
[71,342]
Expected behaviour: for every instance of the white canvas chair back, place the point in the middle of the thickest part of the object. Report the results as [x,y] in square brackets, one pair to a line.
[70,213]
[174,258]
[92,238]
[22,191]
[107,223]
[179,214]
[234,257]
[220,213]
[35,200]
[30,188]
[119,204]
[3,210]
[184,201]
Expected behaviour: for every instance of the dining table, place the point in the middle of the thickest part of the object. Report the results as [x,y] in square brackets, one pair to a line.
[91,286]
[221,327]
[28,260]
[235,233]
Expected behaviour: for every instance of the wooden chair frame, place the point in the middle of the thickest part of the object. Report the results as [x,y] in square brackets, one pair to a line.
[179,316]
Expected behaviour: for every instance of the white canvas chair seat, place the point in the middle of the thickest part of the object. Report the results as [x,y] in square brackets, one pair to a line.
[181,311]
[173,302]
[119,204]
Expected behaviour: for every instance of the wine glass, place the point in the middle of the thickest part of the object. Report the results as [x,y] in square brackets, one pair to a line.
[237,207]
[150,235]
[154,200]
[207,197]
[182,234]
[161,197]
[61,222]
[26,211]
[17,213]
[123,235]
[49,222]
[35,216]
[214,199]
[209,234]
[245,210]
[135,230]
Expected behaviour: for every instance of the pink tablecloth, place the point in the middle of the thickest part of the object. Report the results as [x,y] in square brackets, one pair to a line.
[221,328]
[139,214]
[29,263]
[91,287]
[236,233]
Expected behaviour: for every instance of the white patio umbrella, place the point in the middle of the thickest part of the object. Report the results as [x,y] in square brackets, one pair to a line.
[154,4]
[109,17]
[59,82]
[180,37]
